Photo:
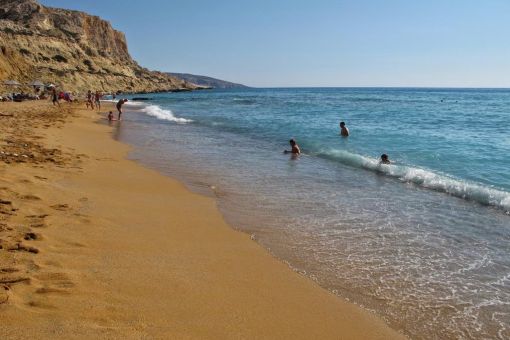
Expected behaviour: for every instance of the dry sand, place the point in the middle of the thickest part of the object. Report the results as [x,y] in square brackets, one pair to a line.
[96,246]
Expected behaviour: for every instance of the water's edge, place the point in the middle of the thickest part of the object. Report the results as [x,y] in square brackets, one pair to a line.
[207,189]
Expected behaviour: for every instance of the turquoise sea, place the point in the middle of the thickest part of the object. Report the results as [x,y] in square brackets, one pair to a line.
[423,242]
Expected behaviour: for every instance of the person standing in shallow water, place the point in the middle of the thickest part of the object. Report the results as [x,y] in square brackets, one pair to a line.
[344,131]
[119,106]
[294,148]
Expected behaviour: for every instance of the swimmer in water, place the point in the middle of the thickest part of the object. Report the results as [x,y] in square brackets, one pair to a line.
[294,148]
[344,131]
[384,159]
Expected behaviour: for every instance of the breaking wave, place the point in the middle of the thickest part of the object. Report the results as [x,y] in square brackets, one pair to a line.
[163,114]
[425,178]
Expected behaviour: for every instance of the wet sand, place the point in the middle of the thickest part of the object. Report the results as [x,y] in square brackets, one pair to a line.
[95,245]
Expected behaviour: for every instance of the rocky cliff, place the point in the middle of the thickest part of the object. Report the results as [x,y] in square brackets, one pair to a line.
[72,49]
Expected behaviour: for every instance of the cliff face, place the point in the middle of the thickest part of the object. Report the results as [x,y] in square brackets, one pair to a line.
[72,49]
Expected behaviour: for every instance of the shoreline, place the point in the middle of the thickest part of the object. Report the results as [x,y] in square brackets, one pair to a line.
[124,251]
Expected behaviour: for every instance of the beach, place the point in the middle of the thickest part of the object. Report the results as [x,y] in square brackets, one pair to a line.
[95,245]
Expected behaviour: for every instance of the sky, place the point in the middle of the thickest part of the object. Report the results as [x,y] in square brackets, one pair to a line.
[280,43]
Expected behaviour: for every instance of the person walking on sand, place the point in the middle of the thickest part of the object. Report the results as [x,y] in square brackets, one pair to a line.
[344,131]
[54,97]
[294,148]
[119,106]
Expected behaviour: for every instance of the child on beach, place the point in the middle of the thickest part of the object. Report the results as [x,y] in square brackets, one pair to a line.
[110,116]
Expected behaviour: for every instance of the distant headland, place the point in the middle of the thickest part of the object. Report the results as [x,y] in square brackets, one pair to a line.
[207,81]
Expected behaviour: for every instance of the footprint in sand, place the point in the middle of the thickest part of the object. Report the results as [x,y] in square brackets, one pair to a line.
[40,304]
[8,270]
[32,236]
[7,280]
[4,297]
[37,216]
[49,290]
[38,225]
[61,207]
[55,281]
[30,198]
[22,247]
[37,221]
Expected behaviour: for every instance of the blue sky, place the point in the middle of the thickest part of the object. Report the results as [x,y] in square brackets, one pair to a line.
[444,43]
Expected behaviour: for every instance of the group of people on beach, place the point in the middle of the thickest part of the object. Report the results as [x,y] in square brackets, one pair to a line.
[344,132]
[94,100]
[56,96]
[119,110]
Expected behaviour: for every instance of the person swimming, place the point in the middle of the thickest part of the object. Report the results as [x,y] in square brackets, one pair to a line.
[294,148]
[344,131]
[384,159]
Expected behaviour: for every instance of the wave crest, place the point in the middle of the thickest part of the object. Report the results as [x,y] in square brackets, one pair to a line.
[426,178]
[158,112]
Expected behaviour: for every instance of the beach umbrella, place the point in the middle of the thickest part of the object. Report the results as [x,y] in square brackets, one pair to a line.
[36,83]
[12,83]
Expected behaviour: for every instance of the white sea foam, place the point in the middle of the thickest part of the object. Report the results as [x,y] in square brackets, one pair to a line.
[128,104]
[160,113]
[427,179]
[152,110]
[132,103]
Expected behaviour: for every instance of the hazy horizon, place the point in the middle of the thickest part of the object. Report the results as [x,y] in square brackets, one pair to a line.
[394,43]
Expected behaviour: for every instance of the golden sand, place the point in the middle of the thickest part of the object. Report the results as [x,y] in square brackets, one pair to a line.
[97,246]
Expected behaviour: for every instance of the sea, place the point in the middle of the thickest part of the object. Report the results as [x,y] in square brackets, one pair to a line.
[423,242]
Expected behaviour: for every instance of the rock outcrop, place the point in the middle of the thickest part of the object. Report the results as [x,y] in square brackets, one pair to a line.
[72,49]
